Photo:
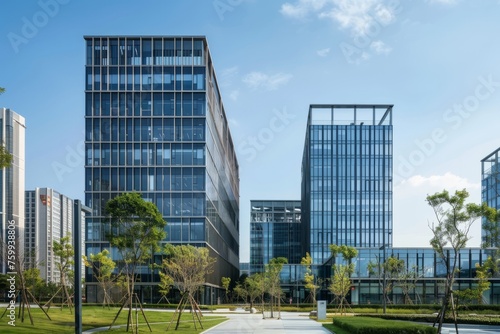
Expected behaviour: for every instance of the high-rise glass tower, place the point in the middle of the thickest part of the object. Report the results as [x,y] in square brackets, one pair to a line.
[156,124]
[347,178]
[12,179]
[490,194]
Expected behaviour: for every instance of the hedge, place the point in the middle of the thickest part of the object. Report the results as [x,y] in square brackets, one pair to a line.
[362,325]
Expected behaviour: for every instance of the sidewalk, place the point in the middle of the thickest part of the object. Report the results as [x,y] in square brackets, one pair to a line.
[290,322]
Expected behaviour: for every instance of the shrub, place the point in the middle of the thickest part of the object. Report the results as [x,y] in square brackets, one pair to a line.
[362,325]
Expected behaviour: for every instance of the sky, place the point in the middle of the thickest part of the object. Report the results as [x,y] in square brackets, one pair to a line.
[436,61]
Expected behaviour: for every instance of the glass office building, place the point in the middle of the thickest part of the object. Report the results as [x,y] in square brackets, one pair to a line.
[275,231]
[490,194]
[347,178]
[156,124]
[424,270]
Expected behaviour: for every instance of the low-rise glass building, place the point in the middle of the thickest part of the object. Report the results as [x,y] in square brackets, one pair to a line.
[275,231]
[426,286]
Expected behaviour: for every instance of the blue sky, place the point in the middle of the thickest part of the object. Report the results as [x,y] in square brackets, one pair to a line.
[437,61]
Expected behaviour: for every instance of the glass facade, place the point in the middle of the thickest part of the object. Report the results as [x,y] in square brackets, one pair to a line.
[274,232]
[430,275]
[427,286]
[347,177]
[490,194]
[155,124]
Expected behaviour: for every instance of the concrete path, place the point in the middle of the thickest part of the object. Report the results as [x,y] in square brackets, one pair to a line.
[290,322]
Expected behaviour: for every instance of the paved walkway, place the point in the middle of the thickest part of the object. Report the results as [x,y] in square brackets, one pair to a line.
[290,322]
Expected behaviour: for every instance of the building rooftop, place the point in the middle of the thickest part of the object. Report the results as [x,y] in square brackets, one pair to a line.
[350,114]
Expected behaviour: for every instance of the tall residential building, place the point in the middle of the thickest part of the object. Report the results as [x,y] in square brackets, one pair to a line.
[12,136]
[275,231]
[156,124]
[347,178]
[49,217]
[490,194]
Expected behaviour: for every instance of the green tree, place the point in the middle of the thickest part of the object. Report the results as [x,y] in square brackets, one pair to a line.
[240,292]
[137,227]
[272,282]
[165,285]
[454,218]
[309,278]
[388,273]
[102,267]
[226,281]
[341,280]
[5,157]
[407,281]
[475,295]
[187,266]
[64,261]
[2,90]
[33,280]
[256,287]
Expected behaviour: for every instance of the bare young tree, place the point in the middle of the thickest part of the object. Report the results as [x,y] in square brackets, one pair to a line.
[24,279]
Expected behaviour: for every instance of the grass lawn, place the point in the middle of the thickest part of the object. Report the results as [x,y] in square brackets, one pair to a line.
[96,316]
[335,329]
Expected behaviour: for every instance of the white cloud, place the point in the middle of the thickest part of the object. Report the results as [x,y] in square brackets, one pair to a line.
[412,213]
[356,16]
[302,8]
[380,47]
[256,80]
[448,181]
[323,52]
[443,2]
[233,95]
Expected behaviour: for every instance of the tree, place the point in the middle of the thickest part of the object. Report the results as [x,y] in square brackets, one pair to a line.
[407,281]
[64,261]
[2,90]
[102,267]
[165,285]
[256,287]
[33,280]
[483,274]
[272,282]
[388,274]
[5,157]
[137,227]
[16,262]
[240,292]
[454,219]
[226,281]
[309,278]
[341,279]
[187,266]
